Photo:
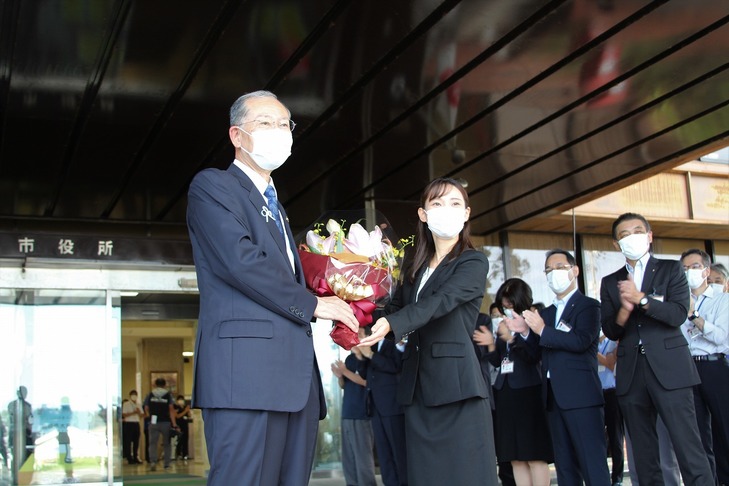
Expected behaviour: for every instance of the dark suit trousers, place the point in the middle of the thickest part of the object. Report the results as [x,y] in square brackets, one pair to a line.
[390,446]
[130,440]
[262,448]
[711,399]
[615,434]
[578,439]
[646,398]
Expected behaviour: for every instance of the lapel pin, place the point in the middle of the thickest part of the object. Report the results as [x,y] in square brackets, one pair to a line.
[266,213]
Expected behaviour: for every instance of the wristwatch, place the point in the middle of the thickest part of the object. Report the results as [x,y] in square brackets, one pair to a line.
[643,302]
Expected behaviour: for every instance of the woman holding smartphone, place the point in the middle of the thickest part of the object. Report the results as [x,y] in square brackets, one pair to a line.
[522,433]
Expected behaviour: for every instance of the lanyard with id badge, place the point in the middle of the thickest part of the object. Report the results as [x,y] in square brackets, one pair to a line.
[507,366]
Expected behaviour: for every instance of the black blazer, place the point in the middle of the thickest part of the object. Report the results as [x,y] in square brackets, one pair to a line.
[571,357]
[524,353]
[440,355]
[382,373]
[659,327]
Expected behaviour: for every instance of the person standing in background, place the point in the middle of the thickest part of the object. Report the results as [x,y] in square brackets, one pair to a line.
[707,331]
[567,332]
[521,430]
[131,413]
[184,418]
[160,408]
[358,460]
[606,359]
[380,367]
[643,305]
[719,277]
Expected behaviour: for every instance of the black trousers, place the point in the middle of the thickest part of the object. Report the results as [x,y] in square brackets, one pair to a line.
[711,400]
[130,440]
[646,398]
[615,434]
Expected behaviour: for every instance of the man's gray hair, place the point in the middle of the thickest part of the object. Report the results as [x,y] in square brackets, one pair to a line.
[239,110]
[718,267]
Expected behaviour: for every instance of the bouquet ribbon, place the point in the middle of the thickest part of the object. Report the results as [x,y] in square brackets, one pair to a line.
[363,309]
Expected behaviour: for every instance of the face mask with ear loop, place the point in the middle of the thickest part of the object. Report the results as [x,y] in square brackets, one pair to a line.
[445,221]
[270,148]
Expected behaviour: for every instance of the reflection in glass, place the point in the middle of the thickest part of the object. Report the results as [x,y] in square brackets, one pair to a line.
[57,353]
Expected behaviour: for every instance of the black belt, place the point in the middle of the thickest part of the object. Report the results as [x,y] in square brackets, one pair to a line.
[640,348]
[709,357]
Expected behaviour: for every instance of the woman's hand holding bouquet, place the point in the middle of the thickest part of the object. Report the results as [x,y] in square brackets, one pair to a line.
[358,266]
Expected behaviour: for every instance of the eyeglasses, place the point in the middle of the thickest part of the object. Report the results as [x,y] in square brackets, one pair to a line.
[695,266]
[547,271]
[266,123]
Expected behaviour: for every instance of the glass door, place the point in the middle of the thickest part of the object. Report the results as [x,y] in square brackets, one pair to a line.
[59,386]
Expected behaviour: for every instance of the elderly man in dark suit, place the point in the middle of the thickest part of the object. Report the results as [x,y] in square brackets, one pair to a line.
[568,332]
[644,304]
[256,376]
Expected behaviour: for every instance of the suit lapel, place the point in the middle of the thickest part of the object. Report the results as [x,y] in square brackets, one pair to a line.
[261,207]
[569,307]
[650,271]
[432,282]
[548,315]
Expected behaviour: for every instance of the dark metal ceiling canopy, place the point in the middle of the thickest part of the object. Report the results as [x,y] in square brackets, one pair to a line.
[109,107]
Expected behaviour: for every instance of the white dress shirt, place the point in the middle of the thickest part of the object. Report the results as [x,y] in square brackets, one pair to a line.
[261,185]
[639,271]
[560,304]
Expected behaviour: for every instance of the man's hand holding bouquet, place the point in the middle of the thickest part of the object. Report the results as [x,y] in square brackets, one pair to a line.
[360,267]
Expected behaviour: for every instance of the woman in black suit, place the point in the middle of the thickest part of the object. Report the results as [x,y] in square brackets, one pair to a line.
[448,426]
[522,433]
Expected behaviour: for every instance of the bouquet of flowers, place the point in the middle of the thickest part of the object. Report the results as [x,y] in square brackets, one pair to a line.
[361,267]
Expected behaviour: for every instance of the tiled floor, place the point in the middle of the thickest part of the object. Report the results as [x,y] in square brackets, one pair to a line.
[191,468]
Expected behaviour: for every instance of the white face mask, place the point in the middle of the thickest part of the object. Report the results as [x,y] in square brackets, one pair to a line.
[446,221]
[634,246]
[271,148]
[695,277]
[495,321]
[509,313]
[718,288]
[559,280]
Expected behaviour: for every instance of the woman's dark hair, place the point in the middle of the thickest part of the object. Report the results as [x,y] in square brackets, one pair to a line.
[516,291]
[424,244]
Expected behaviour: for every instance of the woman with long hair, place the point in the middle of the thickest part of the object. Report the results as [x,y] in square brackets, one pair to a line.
[521,430]
[448,425]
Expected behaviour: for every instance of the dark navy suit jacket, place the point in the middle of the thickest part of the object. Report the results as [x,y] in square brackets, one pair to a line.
[254,347]
[382,374]
[525,356]
[571,357]
[658,327]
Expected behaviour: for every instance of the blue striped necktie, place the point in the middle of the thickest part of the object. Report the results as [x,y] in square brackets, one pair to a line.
[270,194]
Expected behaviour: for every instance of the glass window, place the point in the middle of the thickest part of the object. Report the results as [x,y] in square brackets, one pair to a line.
[526,260]
[59,384]
[489,245]
[599,258]
[329,442]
